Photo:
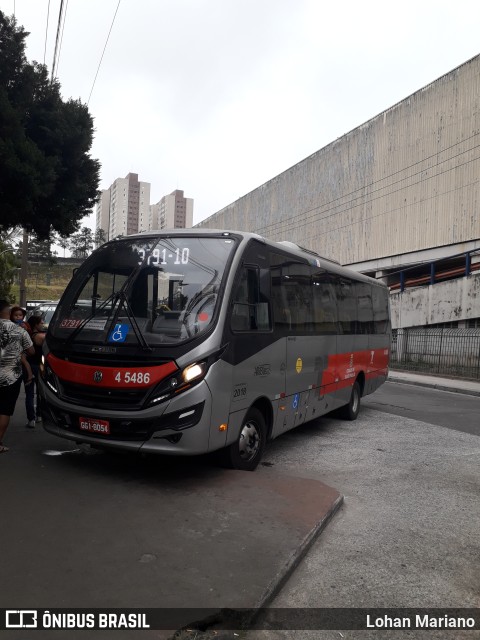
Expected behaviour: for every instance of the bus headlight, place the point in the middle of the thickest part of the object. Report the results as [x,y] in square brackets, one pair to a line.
[194,371]
[179,382]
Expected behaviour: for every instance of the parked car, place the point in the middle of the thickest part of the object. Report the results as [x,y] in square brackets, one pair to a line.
[45,310]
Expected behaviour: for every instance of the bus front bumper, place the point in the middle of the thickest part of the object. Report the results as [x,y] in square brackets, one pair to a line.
[182,427]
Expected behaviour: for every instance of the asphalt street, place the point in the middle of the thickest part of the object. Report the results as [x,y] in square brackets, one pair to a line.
[406,535]
[442,408]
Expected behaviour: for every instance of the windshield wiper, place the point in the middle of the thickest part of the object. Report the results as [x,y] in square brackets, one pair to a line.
[85,321]
[122,298]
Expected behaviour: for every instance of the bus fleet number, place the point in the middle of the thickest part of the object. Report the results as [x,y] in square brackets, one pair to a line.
[129,377]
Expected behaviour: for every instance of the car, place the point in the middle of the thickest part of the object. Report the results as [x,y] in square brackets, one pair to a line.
[45,310]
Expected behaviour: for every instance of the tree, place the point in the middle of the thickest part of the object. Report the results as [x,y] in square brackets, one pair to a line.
[8,269]
[38,248]
[81,243]
[47,178]
[100,237]
[62,242]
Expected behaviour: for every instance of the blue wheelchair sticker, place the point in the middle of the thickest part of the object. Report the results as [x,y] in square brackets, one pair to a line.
[295,400]
[119,333]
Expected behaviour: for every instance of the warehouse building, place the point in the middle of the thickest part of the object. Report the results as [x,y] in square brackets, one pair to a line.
[397,198]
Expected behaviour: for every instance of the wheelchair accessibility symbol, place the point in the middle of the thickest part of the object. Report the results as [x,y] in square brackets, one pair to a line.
[119,333]
[296,398]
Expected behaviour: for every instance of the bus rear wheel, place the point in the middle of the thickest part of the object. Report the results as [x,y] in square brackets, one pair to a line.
[351,410]
[247,451]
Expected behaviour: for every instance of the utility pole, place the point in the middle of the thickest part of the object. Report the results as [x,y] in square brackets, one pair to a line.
[23,270]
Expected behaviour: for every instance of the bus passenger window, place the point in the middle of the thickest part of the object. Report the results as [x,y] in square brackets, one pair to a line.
[364,307]
[250,309]
[380,310]
[347,306]
[325,304]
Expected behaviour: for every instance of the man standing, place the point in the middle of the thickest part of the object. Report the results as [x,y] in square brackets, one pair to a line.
[14,342]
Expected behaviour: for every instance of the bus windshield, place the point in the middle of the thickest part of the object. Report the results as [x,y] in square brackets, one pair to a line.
[149,291]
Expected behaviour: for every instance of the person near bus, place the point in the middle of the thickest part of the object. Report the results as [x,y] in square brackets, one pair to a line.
[17,315]
[14,341]
[37,333]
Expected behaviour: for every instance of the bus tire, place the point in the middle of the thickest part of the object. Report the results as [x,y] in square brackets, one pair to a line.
[351,410]
[247,451]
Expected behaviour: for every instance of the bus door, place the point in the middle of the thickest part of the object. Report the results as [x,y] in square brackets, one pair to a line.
[296,308]
[257,370]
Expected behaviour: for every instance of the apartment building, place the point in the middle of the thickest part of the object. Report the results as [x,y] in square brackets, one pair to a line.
[124,208]
[173,211]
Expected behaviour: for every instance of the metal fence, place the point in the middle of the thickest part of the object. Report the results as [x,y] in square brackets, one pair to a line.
[452,352]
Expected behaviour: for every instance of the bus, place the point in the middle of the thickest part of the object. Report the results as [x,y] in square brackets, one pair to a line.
[191,341]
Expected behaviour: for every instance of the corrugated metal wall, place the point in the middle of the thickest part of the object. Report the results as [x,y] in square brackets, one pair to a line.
[406,180]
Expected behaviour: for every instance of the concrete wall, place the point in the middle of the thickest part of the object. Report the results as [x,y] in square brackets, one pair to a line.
[442,302]
[407,180]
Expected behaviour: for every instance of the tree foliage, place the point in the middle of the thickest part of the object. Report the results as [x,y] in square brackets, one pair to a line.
[100,237]
[48,181]
[81,243]
[8,268]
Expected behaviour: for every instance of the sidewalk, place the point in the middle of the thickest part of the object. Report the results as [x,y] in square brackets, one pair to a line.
[457,385]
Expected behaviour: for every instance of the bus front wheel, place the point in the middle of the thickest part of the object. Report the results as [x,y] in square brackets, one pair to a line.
[246,452]
[351,410]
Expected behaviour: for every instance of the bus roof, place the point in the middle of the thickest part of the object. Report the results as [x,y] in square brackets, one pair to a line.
[315,258]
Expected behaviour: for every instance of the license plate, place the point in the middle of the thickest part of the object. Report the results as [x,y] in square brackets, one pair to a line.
[95,426]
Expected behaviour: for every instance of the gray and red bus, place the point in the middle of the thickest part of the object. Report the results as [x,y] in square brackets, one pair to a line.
[190,341]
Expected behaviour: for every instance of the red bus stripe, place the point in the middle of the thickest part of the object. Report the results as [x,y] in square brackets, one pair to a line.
[116,377]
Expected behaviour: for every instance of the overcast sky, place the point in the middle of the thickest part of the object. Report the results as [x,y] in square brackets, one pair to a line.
[216,97]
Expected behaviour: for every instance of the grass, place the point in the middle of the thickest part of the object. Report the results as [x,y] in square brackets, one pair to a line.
[45,282]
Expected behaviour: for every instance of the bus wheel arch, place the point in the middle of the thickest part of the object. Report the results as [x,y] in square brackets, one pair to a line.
[351,410]
[361,382]
[265,407]
[247,450]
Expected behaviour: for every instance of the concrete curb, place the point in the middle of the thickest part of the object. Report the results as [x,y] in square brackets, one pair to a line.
[440,386]
[207,630]
[293,561]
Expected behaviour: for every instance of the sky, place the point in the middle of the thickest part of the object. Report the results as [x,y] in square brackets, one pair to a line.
[216,97]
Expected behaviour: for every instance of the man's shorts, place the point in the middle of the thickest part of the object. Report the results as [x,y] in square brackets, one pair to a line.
[8,397]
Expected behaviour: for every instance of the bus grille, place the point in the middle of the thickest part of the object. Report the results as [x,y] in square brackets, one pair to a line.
[103,398]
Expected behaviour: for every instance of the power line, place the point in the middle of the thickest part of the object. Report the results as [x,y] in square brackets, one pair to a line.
[384,213]
[57,40]
[297,225]
[46,33]
[103,52]
[61,37]
[351,193]
[294,224]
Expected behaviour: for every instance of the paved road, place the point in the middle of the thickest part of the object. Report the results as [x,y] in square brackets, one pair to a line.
[442,408]
[407,534]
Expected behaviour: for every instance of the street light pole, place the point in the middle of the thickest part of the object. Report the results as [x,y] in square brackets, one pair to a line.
[23,270]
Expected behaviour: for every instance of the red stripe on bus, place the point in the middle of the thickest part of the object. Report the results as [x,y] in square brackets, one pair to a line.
[343,368]
[118,377]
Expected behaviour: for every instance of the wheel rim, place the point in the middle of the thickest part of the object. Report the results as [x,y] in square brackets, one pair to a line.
[249,442]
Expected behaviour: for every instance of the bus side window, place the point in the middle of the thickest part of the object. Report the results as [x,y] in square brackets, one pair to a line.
[347,306]
[325,304]
[250,307]
[364,308]
[281,312]
[380,309]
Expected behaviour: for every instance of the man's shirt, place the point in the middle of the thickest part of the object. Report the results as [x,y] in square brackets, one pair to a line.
[13,342]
